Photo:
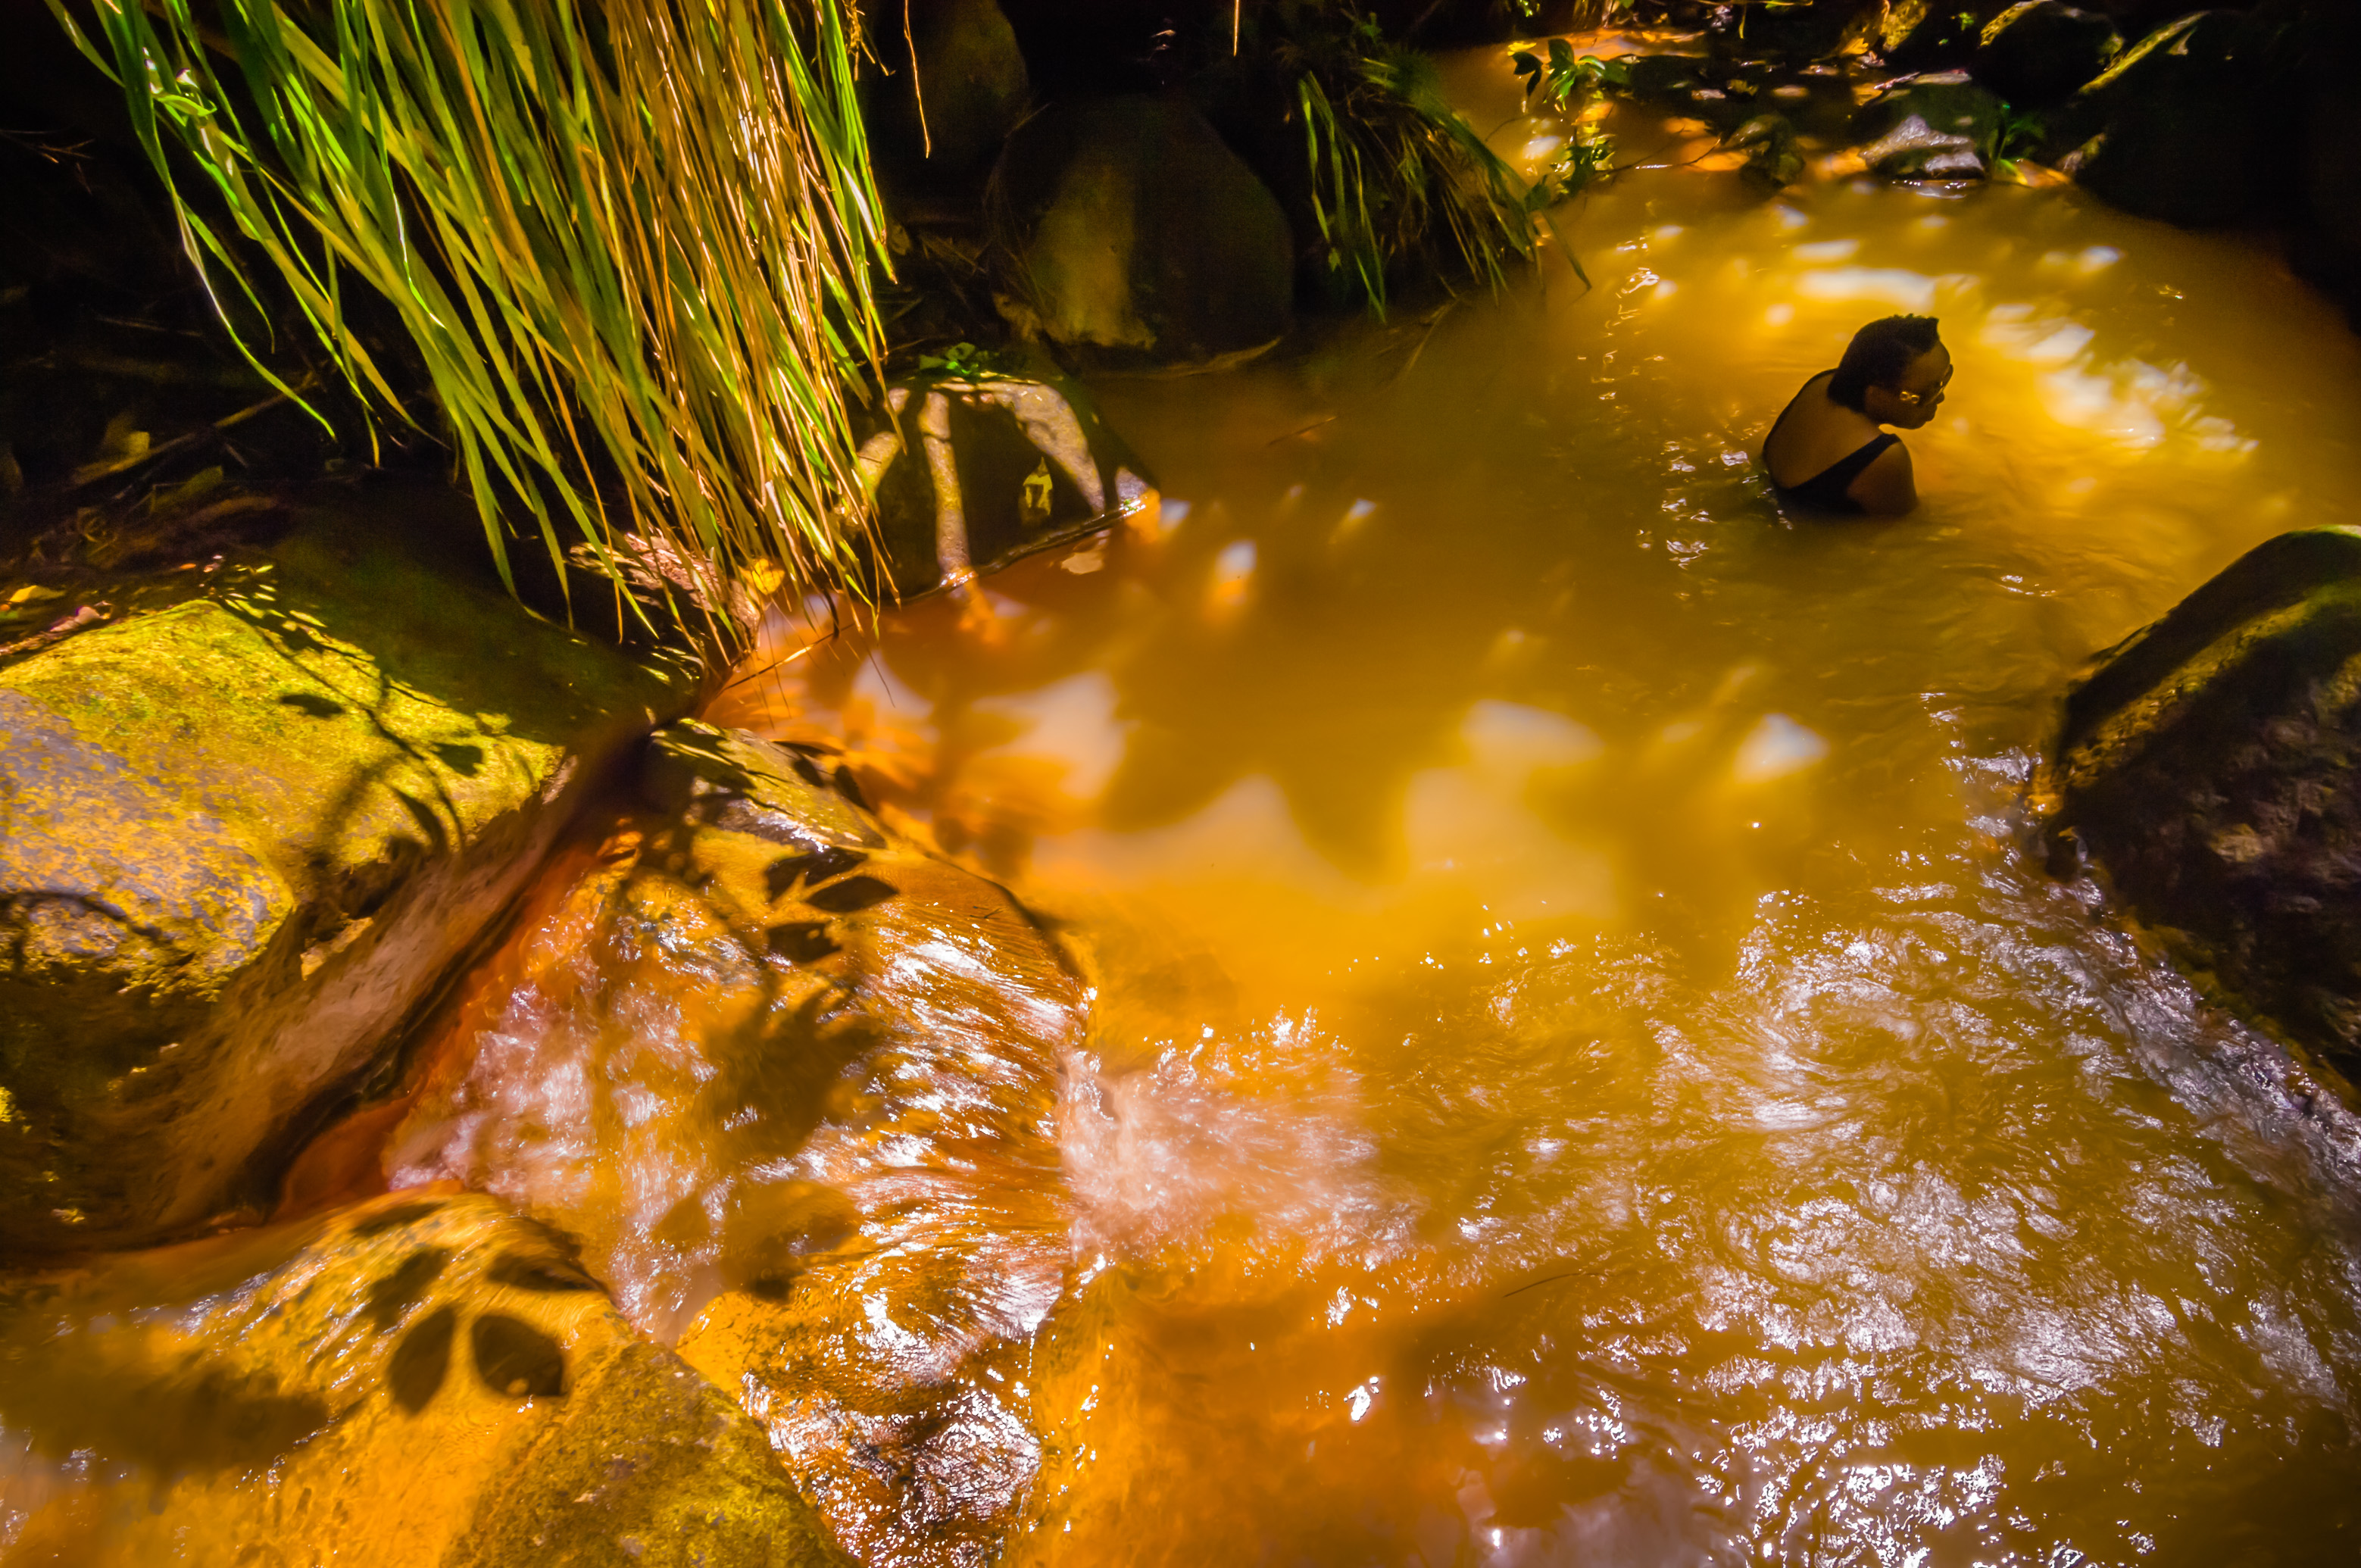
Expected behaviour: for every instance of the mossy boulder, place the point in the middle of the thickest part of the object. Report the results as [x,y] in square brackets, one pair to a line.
[423,1381]
[2208,767]
[1136,238]
[793,1080]
[970,473]
[240,838]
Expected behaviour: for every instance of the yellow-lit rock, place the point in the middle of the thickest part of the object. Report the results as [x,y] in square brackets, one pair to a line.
[776,1067]
[425,1380]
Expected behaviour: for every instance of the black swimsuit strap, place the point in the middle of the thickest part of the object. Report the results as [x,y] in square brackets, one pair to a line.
[1840,475]
[1829,489]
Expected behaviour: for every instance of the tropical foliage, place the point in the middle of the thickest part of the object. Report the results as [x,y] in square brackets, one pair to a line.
[631,244]
[1401,185]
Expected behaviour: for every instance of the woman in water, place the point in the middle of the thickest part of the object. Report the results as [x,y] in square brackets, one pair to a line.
[1826,451]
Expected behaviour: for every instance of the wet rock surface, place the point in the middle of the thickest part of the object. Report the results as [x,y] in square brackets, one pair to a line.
[973,473]
[792,1085]
[240,838]
[2208,767]
[1137,238]
[426,1379]
[1941,126]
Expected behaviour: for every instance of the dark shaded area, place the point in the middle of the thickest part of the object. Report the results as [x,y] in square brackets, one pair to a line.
[392,1297]
[543,1275]
[810,868]
[394,1219]
[802,941]
[414,1375]
[851,895]
[516,1359]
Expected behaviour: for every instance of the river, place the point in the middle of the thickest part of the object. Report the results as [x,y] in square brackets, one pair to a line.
[1586,1069]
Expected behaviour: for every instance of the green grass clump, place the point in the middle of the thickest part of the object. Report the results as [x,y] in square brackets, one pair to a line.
[630,243]
[1400,185]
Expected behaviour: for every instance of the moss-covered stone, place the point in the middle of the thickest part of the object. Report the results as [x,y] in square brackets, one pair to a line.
[423,1381]
[2207,766]
[240,836]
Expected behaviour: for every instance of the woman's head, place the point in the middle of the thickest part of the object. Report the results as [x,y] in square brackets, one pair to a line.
[1894,371]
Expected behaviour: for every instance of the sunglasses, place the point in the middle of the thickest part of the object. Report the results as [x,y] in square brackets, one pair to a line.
[1915,398]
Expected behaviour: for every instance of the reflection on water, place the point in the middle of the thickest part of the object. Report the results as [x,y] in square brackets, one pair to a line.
[1581,1067]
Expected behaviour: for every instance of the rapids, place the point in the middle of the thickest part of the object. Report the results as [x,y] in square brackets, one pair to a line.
[1583,1066]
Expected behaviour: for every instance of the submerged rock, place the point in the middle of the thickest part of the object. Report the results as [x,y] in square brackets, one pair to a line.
[2207,766]
[240,839]
[792,1081]
[1774,156]
[2038,51]
[970,473]
[1929,127]
[425,1381]
[1136,237]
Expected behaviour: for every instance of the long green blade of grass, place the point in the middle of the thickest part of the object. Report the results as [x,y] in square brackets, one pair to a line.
[631,241]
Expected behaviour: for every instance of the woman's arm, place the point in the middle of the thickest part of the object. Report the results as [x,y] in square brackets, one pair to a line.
[1886,485]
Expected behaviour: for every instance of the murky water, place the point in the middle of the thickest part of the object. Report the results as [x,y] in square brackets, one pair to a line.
[1572,1062]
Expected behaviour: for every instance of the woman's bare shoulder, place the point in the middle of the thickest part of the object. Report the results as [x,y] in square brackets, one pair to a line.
[1888,486]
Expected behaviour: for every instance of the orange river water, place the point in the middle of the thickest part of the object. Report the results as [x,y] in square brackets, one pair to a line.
[1586,1070]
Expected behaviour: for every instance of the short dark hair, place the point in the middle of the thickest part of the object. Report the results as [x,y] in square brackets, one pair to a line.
[1878,354]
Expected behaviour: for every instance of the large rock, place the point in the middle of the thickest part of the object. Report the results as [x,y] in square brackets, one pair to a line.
[2209,767]
[2193,125]
[940,122]
[1136,237]
[425,1381]
[792,1081]
[1941,126]
[970,473]
[2038,51]
[240,838]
